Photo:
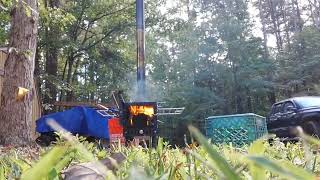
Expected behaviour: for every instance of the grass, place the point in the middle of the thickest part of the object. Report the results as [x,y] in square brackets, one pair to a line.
[256,161]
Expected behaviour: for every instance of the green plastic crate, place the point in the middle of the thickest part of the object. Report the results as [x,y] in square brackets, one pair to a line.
[238,129]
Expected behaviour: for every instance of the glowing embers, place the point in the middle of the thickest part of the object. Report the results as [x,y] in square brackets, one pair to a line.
[139,119]
[141,115]
[136,110]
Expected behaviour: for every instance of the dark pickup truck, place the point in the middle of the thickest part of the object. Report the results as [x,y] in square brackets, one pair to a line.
[286,115]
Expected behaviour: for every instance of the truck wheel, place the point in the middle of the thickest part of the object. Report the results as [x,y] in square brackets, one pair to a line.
[311,128]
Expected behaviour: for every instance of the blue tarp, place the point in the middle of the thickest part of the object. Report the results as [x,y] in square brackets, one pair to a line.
[81,120]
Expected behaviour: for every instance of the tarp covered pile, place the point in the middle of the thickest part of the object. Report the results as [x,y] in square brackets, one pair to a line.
[79,120]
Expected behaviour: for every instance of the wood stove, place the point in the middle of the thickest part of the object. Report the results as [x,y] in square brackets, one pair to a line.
[139,119]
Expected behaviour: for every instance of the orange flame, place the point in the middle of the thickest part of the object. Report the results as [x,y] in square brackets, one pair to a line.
[147,110]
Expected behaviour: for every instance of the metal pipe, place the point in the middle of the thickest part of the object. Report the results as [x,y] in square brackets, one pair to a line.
[140,26]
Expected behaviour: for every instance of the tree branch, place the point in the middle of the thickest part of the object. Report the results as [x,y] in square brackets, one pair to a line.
[102,15]
[79,51]
[98,17]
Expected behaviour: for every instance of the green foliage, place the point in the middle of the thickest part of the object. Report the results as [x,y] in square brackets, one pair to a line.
[260,160]
[5,6]
[91,47]
[12,166]
[301,63]
[54,157]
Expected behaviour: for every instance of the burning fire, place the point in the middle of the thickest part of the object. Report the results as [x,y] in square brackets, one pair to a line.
[147,110]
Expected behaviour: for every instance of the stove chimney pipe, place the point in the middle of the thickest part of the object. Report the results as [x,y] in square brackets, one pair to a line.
[140,27]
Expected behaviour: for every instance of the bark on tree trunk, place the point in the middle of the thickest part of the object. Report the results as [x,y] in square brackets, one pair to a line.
[237,90]
[91,75]
[249,100]
[16,115]
[62,79]
[37,70]
[52,53]
[69,76]
[52,71]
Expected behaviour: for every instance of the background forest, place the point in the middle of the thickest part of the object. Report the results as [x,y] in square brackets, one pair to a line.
[212,57]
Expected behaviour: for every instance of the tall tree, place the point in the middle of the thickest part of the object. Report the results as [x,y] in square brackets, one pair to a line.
[93,27]
[233,27]
[52,34]
[16,111]
[315,12]
[266,54]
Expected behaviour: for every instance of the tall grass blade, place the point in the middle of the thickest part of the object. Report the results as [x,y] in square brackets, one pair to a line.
[64,162]
[2,173]
[220,162]
[257,148]
[173,171]
[87,155]
[20,163]
[160,145]
[42,168]
[284,169]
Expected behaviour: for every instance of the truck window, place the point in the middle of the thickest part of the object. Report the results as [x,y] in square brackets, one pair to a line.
[277,108]
[287,105]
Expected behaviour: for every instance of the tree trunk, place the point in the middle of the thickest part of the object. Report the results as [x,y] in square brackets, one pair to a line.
[62,79]
[237,91]
[69,76]
[276,25]
[249,100]
[52,53]
[286,27]
[264,31]
[266,56]
[16,114]
[298,24]
[52,72]
[37,69]
[37,72]
[91,70]
[315,12]
[70,94]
